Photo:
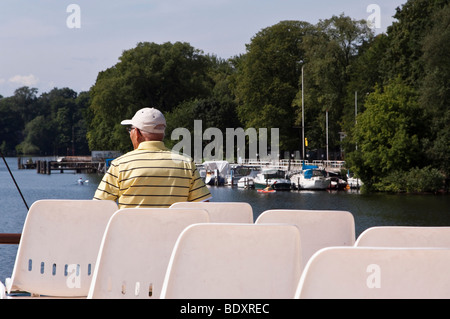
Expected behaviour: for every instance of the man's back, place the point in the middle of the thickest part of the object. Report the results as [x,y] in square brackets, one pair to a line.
[152,176]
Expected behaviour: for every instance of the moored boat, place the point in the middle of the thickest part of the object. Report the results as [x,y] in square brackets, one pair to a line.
[215,172]
[311,179]
[246,182]
[274,178]
[337,183]
[353,182]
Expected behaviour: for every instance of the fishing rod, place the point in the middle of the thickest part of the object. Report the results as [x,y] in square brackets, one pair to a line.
[14,180]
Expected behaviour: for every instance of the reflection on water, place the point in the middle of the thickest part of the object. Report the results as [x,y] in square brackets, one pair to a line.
[368,210]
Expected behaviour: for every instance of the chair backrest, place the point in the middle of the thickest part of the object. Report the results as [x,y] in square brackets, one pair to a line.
[136,249]
[59,246]
[318,228]
[223,260]
[371,273]
[404,236]
[222,212]
[2,291]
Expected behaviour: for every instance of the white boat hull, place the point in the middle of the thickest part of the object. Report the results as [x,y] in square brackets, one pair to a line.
[246,182]
[354,182]
[314,183]
[274,179]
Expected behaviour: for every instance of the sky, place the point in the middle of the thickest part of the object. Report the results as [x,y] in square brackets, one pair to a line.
[57,43]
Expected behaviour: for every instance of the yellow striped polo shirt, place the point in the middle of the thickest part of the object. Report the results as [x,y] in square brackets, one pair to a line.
[152,176]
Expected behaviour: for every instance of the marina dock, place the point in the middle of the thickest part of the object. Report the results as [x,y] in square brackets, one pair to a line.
[78,164]
[44,167]
[97,162]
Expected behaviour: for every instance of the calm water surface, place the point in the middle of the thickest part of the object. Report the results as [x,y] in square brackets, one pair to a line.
[368,210]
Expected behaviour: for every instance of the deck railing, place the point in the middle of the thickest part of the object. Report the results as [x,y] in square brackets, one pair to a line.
[10,238]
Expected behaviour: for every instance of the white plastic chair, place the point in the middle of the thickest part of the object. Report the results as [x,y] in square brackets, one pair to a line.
[372,273]
[2,291]
[222,212]
[59,247]
[318,228]
[136,249]
[404,236]
[234,261]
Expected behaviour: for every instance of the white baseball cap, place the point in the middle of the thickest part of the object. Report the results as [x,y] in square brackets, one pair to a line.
[148,120]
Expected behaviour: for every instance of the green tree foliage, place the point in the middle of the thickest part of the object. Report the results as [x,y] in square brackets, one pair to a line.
[403,56]
[387,134]
[11,126]
[416,180]
[216,111]
[212,112]
[150,75]
[24,102]
[267,79]
[365,73]
[415,49]
[38,136]
[435,90]
[330,52]
[51,124]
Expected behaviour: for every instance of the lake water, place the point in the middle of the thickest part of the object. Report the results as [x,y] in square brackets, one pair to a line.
[368,209]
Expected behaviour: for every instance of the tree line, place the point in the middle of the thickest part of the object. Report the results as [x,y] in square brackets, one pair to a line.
[385,96]
[54,123]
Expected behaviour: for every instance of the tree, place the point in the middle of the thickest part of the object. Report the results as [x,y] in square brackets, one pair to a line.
[38,137]
[415,50]
[81,119]
[403,56]
[387,134]
[212,112]
[11,126]
[330,53]
[24,102]
[150,75]
[267,80]
[17,110]
[435,91]
[44,125]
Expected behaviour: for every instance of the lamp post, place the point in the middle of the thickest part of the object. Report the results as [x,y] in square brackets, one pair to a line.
[326,135]
[356,112]
[303,118]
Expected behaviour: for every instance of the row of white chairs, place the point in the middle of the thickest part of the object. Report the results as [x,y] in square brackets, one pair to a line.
[73,248]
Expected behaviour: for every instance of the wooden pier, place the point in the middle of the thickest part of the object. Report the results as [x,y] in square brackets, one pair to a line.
[46,167]
[78,164]
[97,162]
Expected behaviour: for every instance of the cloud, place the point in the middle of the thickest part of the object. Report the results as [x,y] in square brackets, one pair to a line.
[25,80]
